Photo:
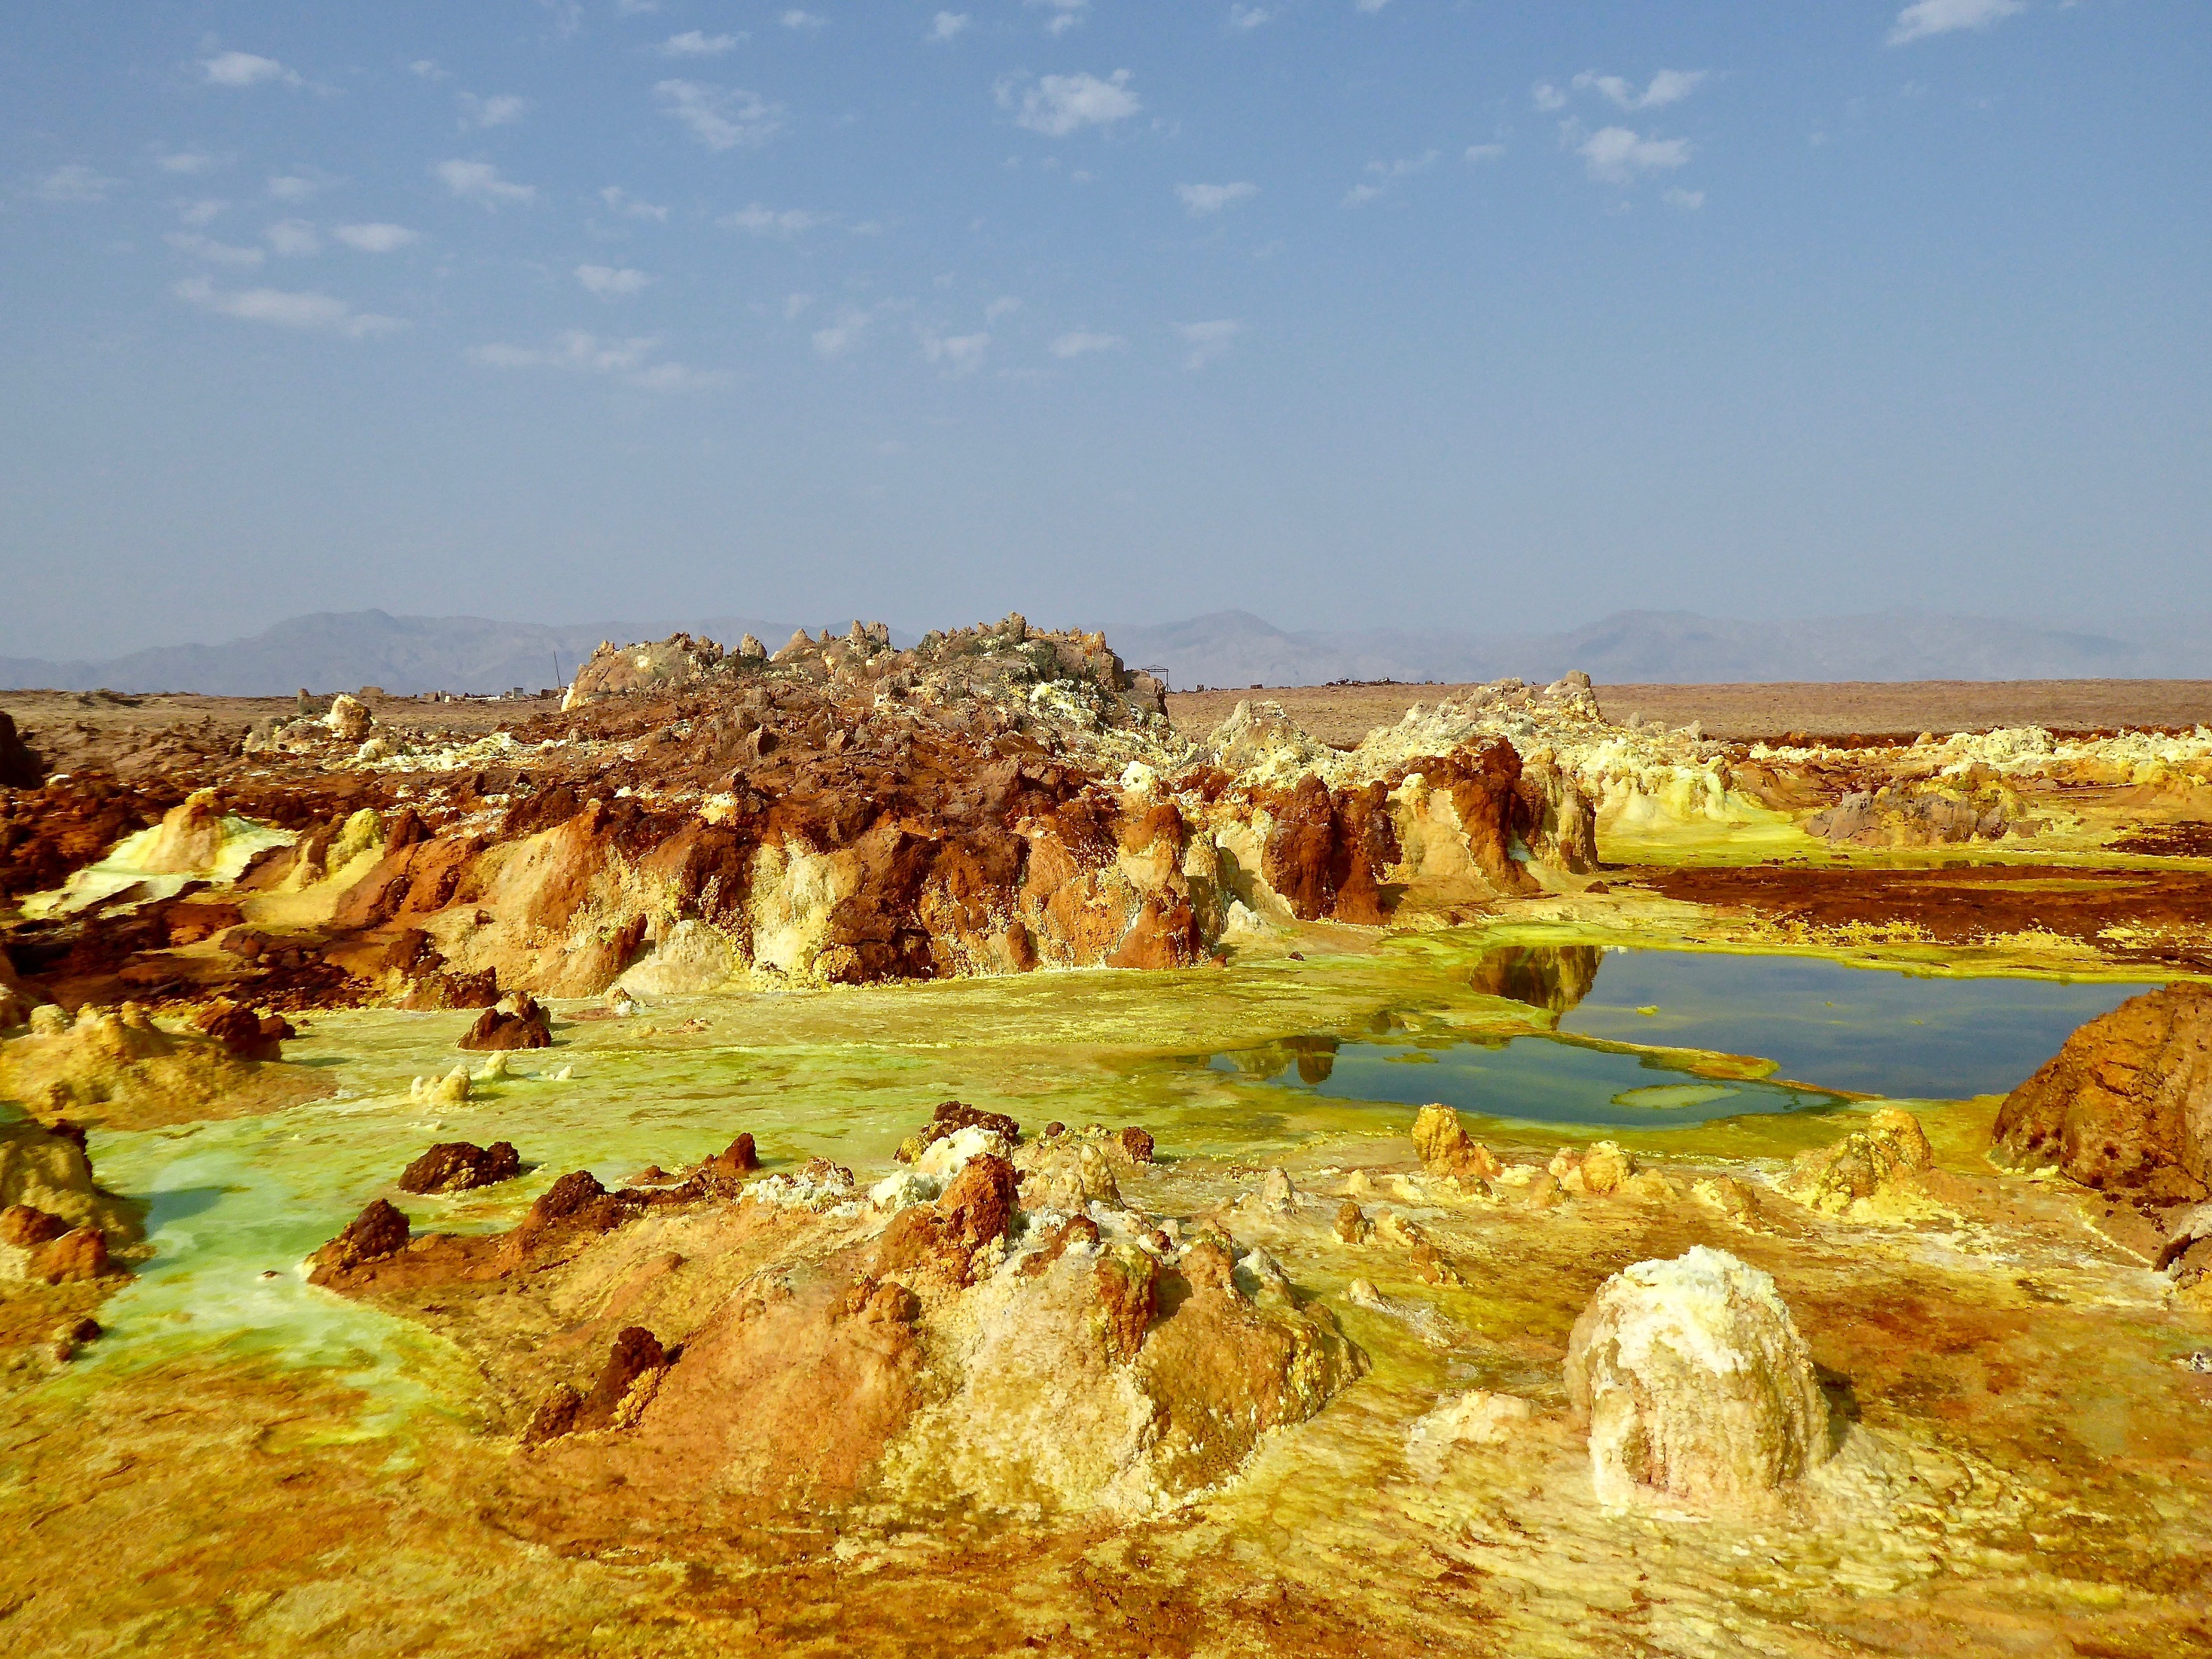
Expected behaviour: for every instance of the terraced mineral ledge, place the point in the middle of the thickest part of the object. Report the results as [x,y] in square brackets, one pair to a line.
[865,1150]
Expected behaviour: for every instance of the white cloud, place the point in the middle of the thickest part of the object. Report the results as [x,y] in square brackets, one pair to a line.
[1546,96]
[842,336]
[73,182]
[1200,199]
[1484,152]
[721,118]
[1383,174]
[795,306]
[607,282]
[619,200]
[959,354]
[1369,6]
[1057,105]
[797,19]
[693,44]
[1005,305]
[294,238]
[1066,13]
[427,68]
[1616,155]
[635,7]
[1249,17]
[479,181]
[501,110]
[309,313]
[758,221]
[243,69]
[1208,340]
[1688,200]
[1667,87]
[202,213]
[187,162]
[215,253]
[376,238]
[1082,341]
[294,186]
[947,24]
[1926,17]
[627,361]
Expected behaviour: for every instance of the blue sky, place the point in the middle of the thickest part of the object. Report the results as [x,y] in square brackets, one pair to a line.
[1460,315]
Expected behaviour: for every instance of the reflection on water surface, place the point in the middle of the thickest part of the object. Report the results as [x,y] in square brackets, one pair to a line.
[1825,1025]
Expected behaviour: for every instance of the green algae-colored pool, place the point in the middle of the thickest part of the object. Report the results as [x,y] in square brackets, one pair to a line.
[234,1205]
[1820,1031]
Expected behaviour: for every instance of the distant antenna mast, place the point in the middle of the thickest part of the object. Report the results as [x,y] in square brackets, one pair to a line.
[556,668]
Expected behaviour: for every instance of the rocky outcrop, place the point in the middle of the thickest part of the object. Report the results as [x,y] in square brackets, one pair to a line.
[57,1223]
[119,1068]
[460,1166]
[2126,1105]
[245,1032]
[377,1232]
[519,1021]
[1448,1150]
[1696,1387]
[21,768]
[947,1118]
[1864,1165]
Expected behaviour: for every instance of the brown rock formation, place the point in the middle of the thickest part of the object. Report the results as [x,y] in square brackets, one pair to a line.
[942,1238]
[948,1119]
[377,1232]
[20,765]
[1447,1149]
[76,1257]
[518,1022]
[459,1166]
[2126,1105]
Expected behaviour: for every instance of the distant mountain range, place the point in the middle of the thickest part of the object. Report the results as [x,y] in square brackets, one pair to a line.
[1236,649]
[343,651]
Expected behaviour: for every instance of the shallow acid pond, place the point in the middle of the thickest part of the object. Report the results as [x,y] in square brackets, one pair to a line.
[1822,1029]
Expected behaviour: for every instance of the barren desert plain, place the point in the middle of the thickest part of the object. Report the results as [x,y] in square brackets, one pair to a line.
[955,1150]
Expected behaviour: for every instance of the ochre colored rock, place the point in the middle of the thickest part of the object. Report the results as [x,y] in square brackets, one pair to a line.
[1447,1149]
[2126,1105]
[458,1166]
[942,1238]
[635,1355]
[1863,1164]
[1126,1285]
[1694,1384]
[736,1159]
[76,1257]
[26,1226]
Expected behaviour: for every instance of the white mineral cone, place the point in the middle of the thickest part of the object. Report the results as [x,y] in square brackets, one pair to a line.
[1694,1384]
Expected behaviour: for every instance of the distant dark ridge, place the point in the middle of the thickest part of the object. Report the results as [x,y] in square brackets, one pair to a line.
[343,651]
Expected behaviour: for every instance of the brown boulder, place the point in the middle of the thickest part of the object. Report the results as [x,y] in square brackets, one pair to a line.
[76,1257]
[378,1232]
[1126,1285]
[247,1034]
[458,1166]
[2126,1104]
[519,1021]
[738,1158]
[942,1238]
[26,1226]
[636,1353]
